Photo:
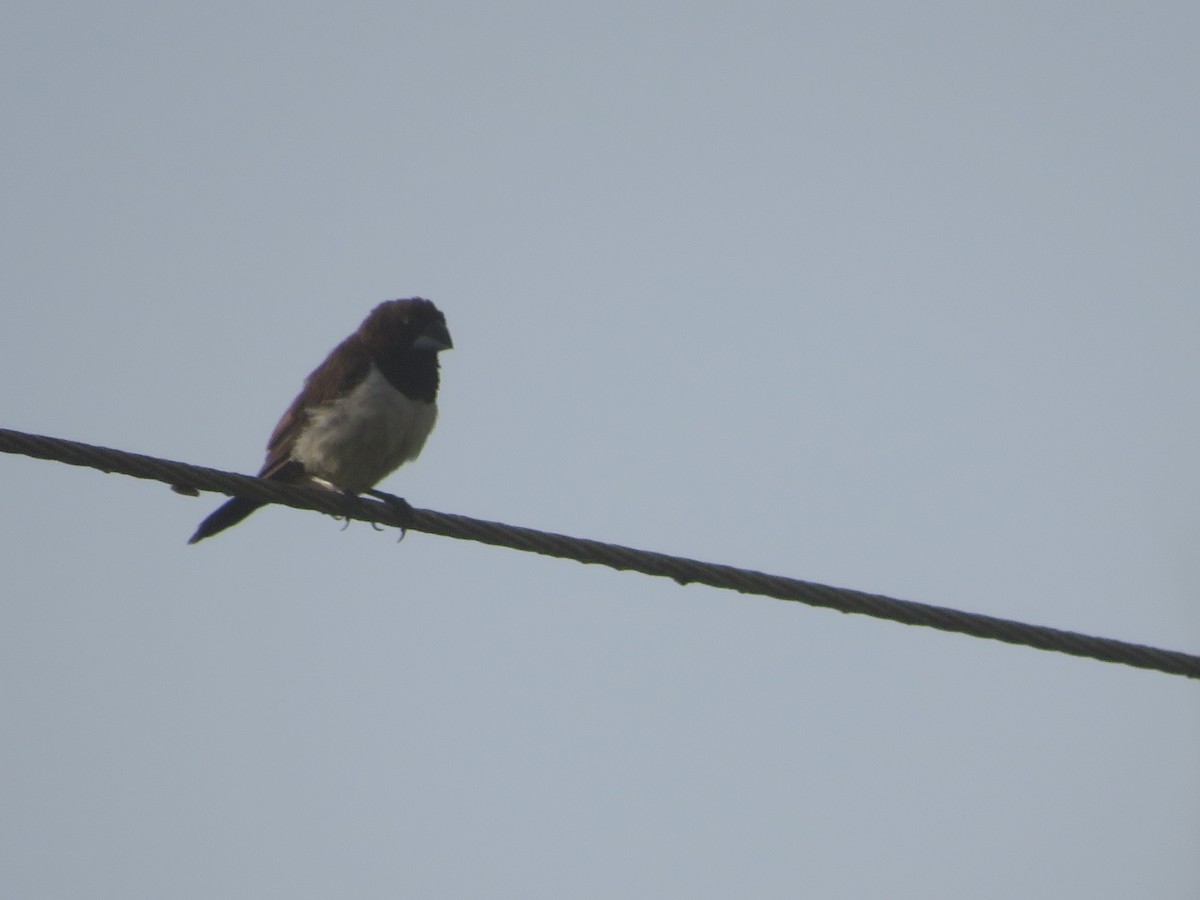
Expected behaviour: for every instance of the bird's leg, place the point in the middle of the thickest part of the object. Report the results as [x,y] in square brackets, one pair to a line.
[398,505]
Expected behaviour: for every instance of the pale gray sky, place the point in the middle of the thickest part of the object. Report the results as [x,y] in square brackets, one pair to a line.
[902,297]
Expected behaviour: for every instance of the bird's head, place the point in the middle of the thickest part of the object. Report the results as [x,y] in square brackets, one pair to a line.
[414,324]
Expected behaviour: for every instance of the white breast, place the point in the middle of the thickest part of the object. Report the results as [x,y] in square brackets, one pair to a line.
[357,440]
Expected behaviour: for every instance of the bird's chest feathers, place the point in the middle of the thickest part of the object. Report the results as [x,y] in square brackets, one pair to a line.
[358,439]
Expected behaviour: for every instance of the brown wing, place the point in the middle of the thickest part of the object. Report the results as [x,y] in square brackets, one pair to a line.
[345,367]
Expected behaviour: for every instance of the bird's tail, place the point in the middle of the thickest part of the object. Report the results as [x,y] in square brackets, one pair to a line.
[226,515]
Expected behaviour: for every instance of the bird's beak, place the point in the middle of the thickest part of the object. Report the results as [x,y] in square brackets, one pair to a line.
[436,337]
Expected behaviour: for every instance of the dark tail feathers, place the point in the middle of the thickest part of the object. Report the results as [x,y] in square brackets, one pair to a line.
[226,515]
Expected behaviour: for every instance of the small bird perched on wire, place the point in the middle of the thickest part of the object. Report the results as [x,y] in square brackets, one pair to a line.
[366,410]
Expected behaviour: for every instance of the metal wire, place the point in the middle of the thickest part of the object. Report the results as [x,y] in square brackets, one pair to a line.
[190,478]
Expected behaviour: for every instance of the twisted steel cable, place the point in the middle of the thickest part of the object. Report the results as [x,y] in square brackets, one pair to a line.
[189,479]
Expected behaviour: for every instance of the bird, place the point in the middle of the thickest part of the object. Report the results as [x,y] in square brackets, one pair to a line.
[362,413]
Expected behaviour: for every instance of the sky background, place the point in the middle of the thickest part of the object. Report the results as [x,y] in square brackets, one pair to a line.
[899,297]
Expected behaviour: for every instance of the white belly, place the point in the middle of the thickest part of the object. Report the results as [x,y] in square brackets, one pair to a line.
[357,440]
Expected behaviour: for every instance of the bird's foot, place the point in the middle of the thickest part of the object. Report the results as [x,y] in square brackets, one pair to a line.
[345,520]
[399,507]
